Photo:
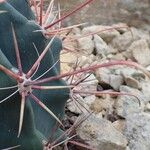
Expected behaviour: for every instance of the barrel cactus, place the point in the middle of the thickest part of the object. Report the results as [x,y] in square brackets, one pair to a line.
[26,55]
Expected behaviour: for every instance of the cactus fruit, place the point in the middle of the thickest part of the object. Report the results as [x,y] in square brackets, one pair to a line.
[38,124]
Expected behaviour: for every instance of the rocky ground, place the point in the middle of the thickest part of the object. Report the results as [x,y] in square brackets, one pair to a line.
[117,122]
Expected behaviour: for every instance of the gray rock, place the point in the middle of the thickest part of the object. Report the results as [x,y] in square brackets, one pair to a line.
[104,76]
[100,134]
[147,108]
[125,71]
[130,81]
[89,99]
[100,46]
[118,56]
[86,44]
[137,131]
[119,125]
[77,107]
[115,81]
[140,51]
[103,103]
[126,104]
[122,42]
[148,68]
[121,27]
[107,33]
[146,90]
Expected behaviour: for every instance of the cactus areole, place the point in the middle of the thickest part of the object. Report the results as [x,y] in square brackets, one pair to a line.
[28,115]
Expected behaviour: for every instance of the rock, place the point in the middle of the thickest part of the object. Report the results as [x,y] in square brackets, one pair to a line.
[102,104]
[140,51]
[122,42]
[89,84]
[137,131]
[115,81]
[96,107]
[124,71]
[81,105]
[147,108]
[100,134]
[104,76]
[91,79]
[119,125]
[130,72]
[107,33]
[130,81]
[118,56]
[86,44]
[148,68]
[121,27]
[77,107]
[127,148]
[84,60]
[89,99]
[126,104]
[146,90]
[100,46]
[69,59]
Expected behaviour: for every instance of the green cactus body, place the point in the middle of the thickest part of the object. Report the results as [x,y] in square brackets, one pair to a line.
[37,123]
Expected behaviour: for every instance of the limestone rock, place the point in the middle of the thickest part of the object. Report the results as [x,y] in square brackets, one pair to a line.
[107,33]
[119,125]
[102,104]
[130,81]
[137,131]
[122,42]
[86,44]
[100,46]
[140,51]
[104,76]
[100,134]
[128,104]
[146,90]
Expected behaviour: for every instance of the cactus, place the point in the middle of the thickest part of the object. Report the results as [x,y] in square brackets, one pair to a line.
[37,123]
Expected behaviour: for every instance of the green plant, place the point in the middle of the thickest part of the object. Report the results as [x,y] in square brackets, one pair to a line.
[17,34]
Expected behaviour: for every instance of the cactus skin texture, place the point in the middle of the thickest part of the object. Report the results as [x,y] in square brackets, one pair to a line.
[37,123]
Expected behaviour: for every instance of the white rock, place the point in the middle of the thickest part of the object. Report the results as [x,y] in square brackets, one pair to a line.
[77,107]
[141,52]
[148,68]
[119,125]
[115,81]
[121,27]
[100,104]
[147,108]
[146,90]
[105,76]
[107,33]
[122,42]
[100,46]
[137,131]
[118,56]
[100,134]
[86,44]
[129,104]
[89,99]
